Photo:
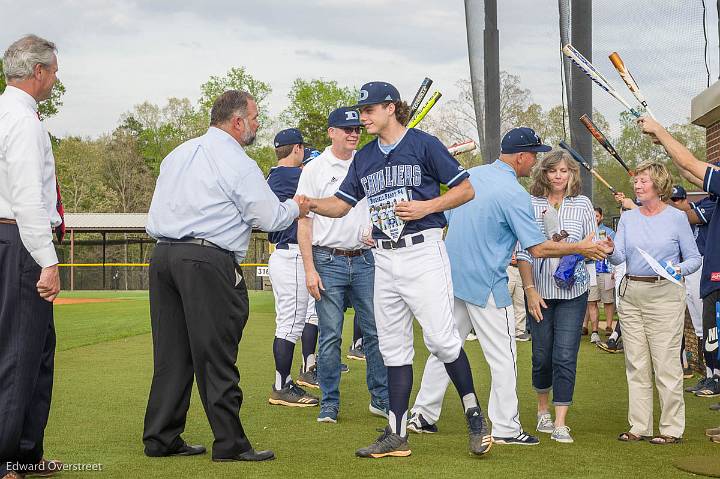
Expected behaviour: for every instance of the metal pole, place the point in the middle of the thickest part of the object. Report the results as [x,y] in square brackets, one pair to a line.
[564,11]
[103,255]
[473,20]
[72,260]
[581,87]
[492,82]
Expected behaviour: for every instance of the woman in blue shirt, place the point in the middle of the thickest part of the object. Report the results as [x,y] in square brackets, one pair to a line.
[652,308]
[563,214]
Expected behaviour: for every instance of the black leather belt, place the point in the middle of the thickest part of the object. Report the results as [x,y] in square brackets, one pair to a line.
[401,243]
[197,241]
[646,279]
[282,246]
[7,221]
[341,252]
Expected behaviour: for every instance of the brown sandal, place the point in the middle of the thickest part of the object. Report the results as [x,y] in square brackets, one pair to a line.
[630,437]
[663,440]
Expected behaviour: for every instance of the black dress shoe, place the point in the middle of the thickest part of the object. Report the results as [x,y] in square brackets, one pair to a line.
[184,450]
[188,450]
[250,455]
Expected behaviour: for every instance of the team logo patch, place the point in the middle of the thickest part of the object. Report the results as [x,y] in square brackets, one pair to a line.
[364,94]
[715,276]
[351,115]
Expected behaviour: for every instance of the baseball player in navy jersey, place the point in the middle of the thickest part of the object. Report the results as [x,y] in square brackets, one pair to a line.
[412,273]
[338,265]
[287,275]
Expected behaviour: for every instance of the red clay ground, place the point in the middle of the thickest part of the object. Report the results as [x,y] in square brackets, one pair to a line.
[62,301]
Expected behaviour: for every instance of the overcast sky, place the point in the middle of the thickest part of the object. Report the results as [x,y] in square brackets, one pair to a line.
[114,54]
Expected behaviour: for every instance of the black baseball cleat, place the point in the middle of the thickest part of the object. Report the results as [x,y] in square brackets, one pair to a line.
[252,456]
[700,385]
[388,444]
[480,439]
[292,395]
[417,424]
[522,439]
[711,389]
[612,346]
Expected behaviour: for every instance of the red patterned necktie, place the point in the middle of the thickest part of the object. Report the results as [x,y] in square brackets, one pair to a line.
[60,229]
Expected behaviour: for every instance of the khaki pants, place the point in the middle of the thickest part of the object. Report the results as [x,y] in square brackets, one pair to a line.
[518,298]
[651,318]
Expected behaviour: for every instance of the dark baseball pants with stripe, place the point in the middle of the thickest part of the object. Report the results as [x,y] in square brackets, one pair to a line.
[27,353]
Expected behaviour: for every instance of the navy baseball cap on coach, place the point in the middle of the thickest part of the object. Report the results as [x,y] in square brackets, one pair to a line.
[344,116]
[678,193]
[377,92]
[291,136]
[522,139]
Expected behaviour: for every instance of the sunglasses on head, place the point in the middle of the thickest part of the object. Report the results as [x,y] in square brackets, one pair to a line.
[538,142]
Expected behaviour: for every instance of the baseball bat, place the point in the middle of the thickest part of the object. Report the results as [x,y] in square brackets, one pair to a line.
[604,142]
[589,69]
[425,109]
[419,96]
[629,80]
[461,147]
[576,156]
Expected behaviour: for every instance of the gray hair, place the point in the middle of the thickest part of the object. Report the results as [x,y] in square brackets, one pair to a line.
[232,102]
[21,57]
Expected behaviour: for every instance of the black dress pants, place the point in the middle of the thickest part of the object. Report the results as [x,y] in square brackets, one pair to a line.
[198,311]
[27,354]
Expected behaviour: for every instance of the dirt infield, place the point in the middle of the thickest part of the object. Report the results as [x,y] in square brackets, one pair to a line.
[63,301]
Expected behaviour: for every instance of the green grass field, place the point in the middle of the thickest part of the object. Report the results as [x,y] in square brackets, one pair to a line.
[104,366]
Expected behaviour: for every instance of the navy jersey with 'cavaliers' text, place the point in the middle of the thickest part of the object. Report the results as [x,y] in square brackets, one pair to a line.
[704,209]
[419,163]
[283,181]
[710,280]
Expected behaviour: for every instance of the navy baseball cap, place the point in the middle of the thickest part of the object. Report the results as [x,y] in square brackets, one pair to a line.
[291,136]
[522,139]
[309,154]
[678,192]
[344,116]
[377,92]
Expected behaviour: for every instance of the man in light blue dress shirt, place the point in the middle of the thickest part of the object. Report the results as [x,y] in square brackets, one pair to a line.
[209,196]
[481,237]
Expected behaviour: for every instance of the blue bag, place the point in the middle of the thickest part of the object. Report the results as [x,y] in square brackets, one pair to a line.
[571,270]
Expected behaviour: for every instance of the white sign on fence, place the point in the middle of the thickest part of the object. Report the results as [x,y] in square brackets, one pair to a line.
[262,271]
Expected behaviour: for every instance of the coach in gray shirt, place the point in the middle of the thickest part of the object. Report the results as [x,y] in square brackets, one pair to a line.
[208,198]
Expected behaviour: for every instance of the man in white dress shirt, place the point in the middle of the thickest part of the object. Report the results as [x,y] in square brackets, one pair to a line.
[29,279]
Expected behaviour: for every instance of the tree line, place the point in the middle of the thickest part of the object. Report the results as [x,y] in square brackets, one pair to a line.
[116,171]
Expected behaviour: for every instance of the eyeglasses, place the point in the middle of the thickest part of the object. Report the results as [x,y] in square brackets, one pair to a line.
[350,129]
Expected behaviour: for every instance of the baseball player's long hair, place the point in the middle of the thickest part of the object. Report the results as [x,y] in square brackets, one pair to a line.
[402,111]
[540,185]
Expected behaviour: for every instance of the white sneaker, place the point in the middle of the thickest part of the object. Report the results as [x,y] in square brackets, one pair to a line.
[594,338]
[545,423]
[562,434]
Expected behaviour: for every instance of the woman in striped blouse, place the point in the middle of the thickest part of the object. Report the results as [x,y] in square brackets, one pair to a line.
[558,313]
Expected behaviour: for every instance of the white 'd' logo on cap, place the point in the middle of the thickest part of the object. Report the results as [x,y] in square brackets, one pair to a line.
[364,94]
[351,115]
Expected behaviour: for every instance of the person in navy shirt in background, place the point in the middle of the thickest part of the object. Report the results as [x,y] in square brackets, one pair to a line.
[287,274]
[412,270]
